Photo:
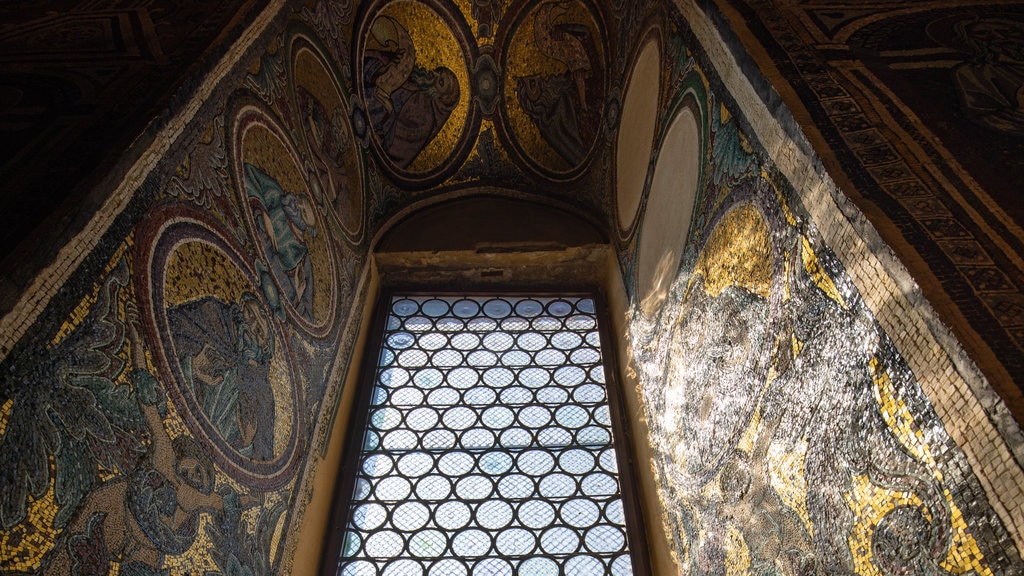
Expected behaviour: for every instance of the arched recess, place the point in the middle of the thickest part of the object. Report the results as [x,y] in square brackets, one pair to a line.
[636,132]
[669,211]
[480,222]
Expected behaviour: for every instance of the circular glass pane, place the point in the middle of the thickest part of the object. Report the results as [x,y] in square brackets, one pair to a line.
[497,308]
[560,540]
[404,307]
[494,514]
[516,542]
[384,544]
[529,308]
[515,487]
[452,515]
[536,514]
[369,516]
[433,487]
[456,463]
[535,462]
[465,308]
[415,464]
[474,487]
[539,567]
[410,516]
[435,308]
[428,544]
[471,543]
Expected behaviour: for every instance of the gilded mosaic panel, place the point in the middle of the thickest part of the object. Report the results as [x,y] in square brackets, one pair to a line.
[790,435]
[414,85]
[555,84]
[158,416]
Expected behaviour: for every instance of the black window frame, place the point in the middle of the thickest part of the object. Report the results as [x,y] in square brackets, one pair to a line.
[623,441]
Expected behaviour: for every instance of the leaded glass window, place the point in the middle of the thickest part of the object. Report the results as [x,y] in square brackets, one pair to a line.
[487,446]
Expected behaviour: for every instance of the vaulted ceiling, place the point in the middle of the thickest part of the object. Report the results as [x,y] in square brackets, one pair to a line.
[908,108]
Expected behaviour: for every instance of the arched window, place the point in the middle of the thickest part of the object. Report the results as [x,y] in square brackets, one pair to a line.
[487,441]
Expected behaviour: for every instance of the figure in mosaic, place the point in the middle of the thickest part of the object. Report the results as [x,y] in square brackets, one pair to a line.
[284,222]
[554,102]
[154,510]
[329,143]
[225,349]
[406,103]
[546,100]
[157,505]
[562,41]
[991,84]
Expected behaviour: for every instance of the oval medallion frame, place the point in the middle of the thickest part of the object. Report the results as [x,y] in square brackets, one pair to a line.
[164,231]
[301,47]
[516,130]
[250,116]
[449,145]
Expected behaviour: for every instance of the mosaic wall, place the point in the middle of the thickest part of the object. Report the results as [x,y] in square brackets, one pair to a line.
[159,416]
[915,108]
[790,435]
[165,391]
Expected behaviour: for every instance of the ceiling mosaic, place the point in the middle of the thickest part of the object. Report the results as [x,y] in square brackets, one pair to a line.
[481,92]
[80,80]
[164,406]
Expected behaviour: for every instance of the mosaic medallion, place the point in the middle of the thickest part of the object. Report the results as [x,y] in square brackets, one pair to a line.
[336,178]
[413,82]
[224,354]
[554,91]
[295,267]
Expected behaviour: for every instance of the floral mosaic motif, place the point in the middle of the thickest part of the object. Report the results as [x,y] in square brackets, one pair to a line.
[204,176]
[73,410]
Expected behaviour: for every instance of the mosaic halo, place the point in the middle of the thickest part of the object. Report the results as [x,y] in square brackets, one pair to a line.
[746,302]
[335,166]
[413,82]
[554,58]
[226,360]
[297,268]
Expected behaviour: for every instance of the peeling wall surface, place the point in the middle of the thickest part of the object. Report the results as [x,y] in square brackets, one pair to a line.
[168,385]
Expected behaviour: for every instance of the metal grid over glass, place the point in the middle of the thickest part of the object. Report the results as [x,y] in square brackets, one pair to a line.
[488,445]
